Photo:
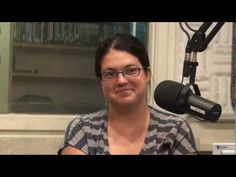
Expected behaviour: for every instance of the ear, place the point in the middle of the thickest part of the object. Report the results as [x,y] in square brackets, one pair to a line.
[148,74]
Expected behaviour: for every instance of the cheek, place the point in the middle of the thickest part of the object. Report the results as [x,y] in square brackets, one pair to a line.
[106,88]
[142,85]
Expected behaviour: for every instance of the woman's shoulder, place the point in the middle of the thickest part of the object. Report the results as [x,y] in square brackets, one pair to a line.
[161,116]
[90,118]
[167,121]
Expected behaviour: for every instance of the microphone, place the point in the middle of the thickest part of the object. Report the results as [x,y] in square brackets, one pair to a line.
[177,98]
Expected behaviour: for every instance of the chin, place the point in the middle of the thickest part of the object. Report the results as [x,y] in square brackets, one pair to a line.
[124,101]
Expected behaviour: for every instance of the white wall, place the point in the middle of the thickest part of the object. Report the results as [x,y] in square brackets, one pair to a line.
[167,48]
[27,134]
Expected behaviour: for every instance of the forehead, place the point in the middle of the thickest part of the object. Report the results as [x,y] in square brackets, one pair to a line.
[116,59]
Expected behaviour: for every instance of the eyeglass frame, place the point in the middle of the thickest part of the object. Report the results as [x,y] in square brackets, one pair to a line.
[116,73]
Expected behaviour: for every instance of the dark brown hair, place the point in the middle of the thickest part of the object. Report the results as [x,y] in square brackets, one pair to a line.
[123,42]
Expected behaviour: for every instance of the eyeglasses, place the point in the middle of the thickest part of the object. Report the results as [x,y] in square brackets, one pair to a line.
[127,73]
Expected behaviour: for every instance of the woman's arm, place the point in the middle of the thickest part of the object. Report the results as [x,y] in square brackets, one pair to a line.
[69,150]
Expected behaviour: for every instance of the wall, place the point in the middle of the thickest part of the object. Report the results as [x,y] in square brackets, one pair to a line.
[167,47]
[27,134]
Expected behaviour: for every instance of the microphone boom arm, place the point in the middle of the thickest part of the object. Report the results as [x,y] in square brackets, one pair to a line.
[199,41]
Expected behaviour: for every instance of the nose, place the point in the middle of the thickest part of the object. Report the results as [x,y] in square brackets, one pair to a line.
[121,79]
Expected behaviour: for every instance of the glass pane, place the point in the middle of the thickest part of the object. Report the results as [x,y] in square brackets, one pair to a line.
[53,65]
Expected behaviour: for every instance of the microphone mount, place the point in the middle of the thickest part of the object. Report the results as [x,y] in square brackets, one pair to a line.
[198,43]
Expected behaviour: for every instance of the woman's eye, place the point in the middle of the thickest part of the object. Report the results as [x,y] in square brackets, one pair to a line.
[130,71]
[109,73]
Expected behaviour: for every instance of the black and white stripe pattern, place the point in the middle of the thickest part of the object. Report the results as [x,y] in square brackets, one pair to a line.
[167,134]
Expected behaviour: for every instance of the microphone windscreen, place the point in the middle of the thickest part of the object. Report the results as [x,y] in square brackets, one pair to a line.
[166,95]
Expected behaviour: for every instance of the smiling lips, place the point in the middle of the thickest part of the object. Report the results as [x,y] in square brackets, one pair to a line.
[124,92]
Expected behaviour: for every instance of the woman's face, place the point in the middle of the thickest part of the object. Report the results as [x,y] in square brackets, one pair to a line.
[123,90]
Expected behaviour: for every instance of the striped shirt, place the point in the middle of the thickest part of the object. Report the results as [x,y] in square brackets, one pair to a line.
[167,134]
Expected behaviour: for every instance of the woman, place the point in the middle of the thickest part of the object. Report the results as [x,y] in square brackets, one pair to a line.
[128,125]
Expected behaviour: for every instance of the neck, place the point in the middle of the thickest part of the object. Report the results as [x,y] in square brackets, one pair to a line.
[128,111]
[129,120]
[127,129]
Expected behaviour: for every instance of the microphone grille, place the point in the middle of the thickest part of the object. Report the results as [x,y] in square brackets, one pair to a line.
[166,95]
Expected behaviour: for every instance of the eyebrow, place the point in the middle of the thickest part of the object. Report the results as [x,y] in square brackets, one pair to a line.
[127,66]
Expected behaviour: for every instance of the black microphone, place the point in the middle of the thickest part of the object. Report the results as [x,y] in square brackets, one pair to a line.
[177,98]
